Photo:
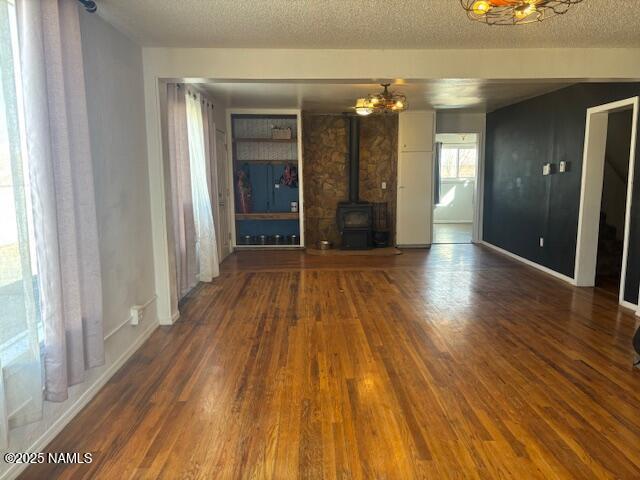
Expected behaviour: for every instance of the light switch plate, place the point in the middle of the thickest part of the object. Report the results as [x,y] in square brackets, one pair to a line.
[563,167]
[546,169]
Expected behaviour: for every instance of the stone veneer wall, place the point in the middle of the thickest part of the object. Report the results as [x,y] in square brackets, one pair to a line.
[326,173]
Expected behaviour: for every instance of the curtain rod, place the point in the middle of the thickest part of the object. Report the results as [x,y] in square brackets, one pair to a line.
[89,5]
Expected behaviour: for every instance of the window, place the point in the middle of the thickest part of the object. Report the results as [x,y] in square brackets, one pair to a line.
[18,267]
[458,162]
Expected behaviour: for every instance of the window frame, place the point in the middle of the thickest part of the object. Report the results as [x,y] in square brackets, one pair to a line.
[457,148]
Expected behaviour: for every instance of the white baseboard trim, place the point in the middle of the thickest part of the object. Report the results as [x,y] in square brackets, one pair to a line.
[572,281]
[168,320]
[542,268]
[46,438]
[631,306]
[460,222]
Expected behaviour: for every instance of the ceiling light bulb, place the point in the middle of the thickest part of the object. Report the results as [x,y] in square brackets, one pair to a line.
[481,7]
[363,107]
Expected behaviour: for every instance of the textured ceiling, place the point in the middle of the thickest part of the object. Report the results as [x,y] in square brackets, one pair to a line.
[362,24]
[468,95]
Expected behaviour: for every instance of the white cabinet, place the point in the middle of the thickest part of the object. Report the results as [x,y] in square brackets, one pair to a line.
[415,178]
[416,130]
[414,198]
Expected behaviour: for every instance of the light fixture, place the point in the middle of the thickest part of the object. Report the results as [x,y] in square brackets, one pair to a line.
[515,12]
[383,102]
[363,108]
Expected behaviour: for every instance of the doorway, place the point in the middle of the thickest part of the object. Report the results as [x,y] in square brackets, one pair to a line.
[605,203]
[613,203]
[455,174]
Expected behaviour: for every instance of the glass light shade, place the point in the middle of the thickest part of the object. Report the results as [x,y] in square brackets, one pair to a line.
[363,107]
[524,11]
[481,7]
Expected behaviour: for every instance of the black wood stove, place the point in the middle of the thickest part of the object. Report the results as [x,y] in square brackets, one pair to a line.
[355,218]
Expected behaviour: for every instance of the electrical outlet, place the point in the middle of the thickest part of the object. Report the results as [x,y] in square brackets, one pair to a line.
[541,241]
[546,169]
[384,185]
[137,314]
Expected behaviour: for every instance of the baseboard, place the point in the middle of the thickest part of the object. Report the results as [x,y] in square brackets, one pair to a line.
[458,222]
[46,438]
[535,265]
[630,306]
[168,320]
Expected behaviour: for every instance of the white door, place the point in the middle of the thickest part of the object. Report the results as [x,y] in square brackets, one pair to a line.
[414,209]
[224,191]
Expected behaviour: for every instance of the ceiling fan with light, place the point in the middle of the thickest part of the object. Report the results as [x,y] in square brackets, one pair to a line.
[383,102]
[515,12]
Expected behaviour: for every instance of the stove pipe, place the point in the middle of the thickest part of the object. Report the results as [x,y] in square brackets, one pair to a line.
[354,159]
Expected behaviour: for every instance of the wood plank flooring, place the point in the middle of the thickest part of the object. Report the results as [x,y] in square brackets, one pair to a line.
[449,363]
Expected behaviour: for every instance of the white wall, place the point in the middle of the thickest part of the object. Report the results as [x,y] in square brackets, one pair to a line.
[460,122]
[408,64]
[113,68]
[456,202]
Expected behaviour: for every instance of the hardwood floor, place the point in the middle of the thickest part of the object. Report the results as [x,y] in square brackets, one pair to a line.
[449,363]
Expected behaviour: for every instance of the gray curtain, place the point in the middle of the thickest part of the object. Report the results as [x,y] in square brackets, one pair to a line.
[61,175]
[184,235]
[436,173]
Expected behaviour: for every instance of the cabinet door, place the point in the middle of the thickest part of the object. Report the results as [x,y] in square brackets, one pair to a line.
[416,131]
[414,198]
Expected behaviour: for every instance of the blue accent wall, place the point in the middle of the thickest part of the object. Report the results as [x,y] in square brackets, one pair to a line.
[267,195]
[520,204]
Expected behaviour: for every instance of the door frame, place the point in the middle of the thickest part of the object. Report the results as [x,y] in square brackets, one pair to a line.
[225,235]
[478,183]
[595,140]
[231,204]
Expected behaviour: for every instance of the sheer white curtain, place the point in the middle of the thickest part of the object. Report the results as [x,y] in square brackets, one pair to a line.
[61,172]
[206,249]
[20,358]
[212,164]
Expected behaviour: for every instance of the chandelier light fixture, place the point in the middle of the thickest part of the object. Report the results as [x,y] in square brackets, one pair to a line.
[383,102]
[515,12]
